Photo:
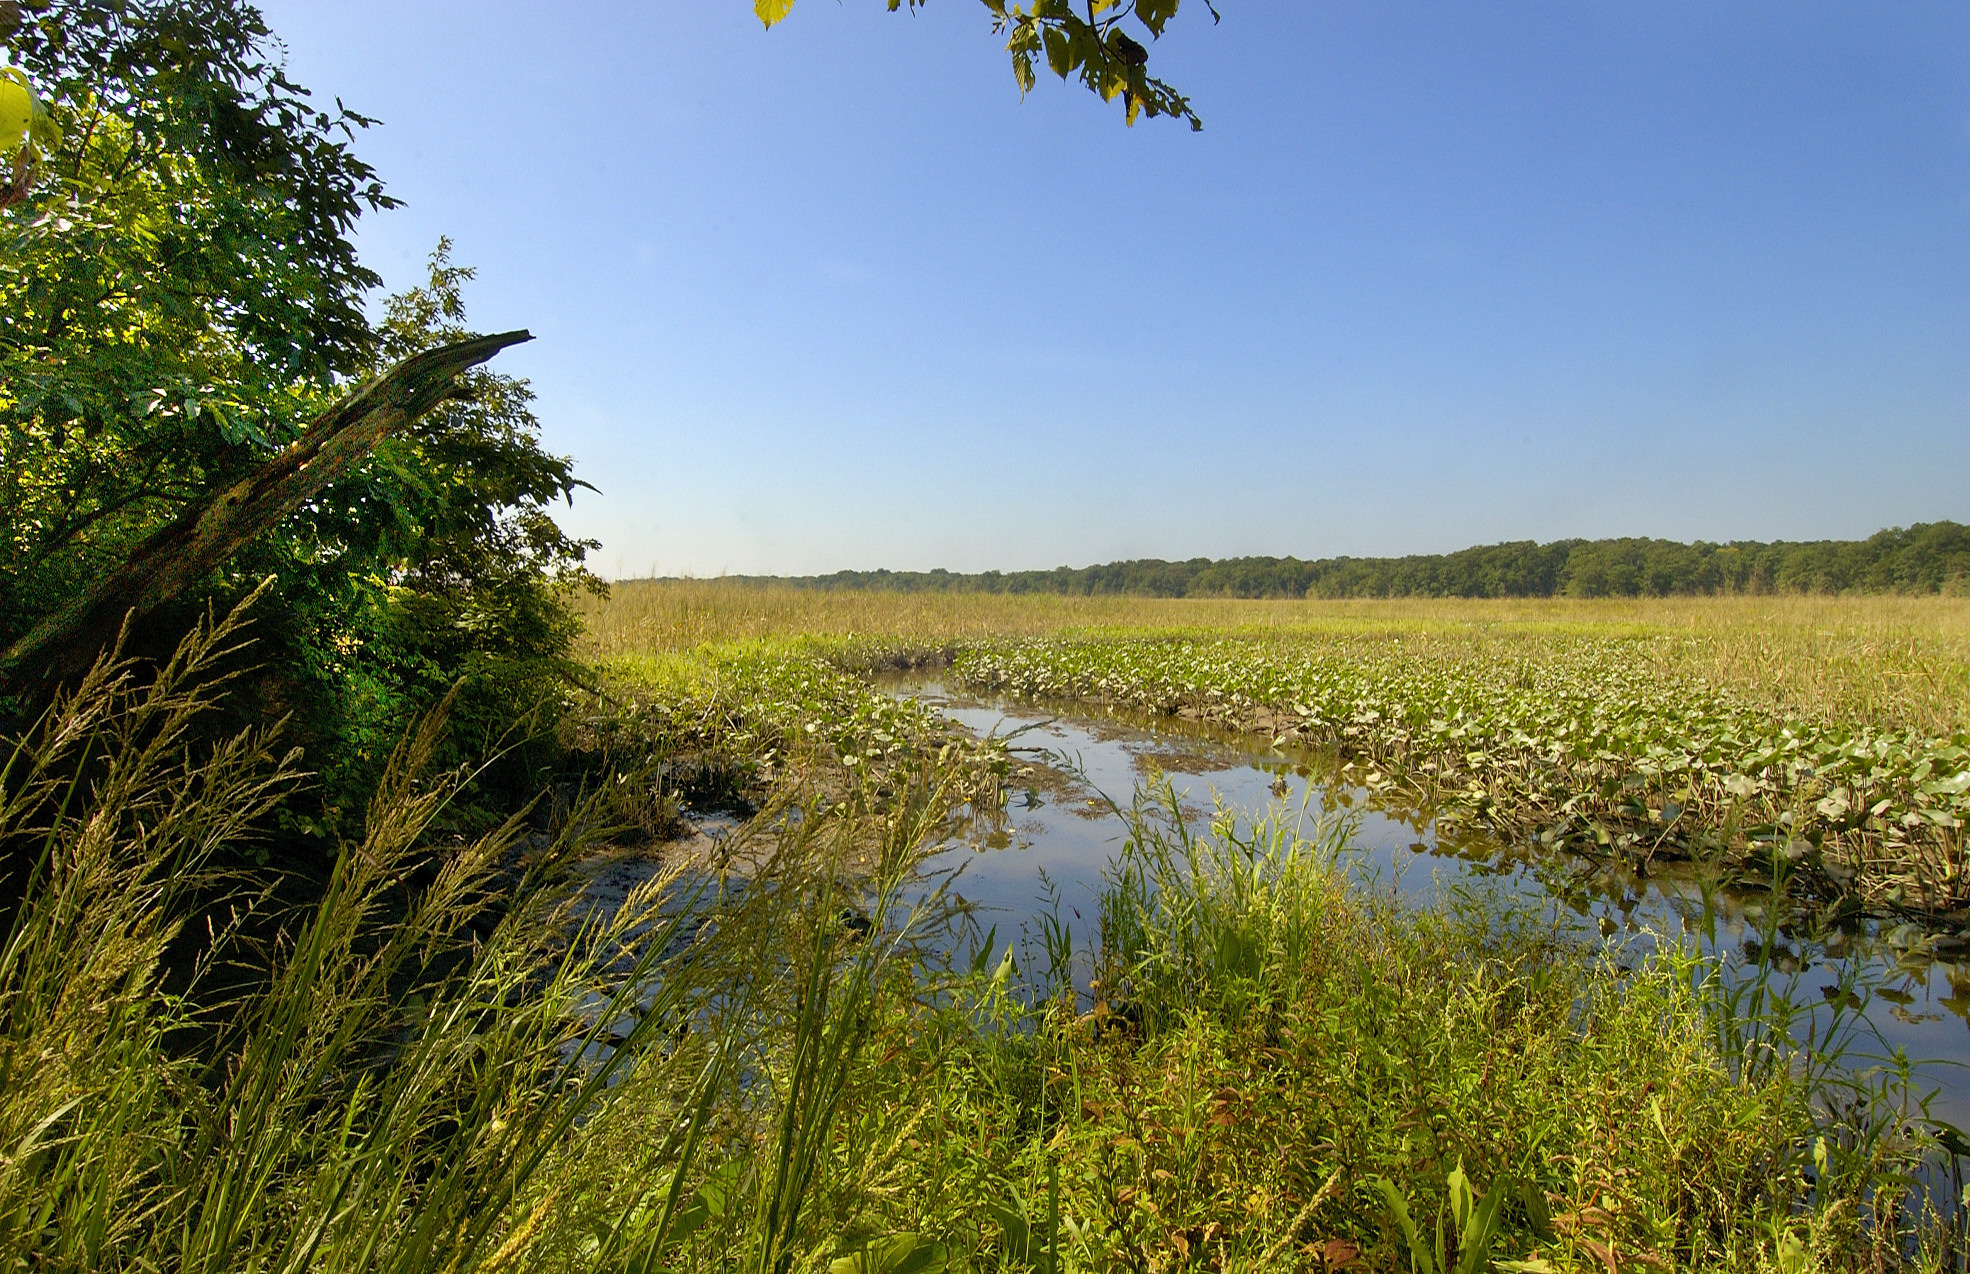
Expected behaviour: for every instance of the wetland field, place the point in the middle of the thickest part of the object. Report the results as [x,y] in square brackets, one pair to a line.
[1821,740]
[904,933]
[1262,859]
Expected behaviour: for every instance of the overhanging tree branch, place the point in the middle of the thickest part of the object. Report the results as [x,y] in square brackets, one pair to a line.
[1088,44]
[214,528]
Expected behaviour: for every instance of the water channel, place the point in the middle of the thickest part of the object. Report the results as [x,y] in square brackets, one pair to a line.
[1059,832]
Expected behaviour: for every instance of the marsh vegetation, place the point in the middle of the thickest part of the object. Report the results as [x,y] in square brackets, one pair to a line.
[808,1058]
[1787,666]
[807,1051]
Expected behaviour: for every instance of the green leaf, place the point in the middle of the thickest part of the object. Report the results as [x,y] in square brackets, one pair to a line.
[1003,975]
[1015,1232]
[16,108]
[983,956]
[1463,1199]
[1478,1225]
[1155,13]
[904,1253]
[1059,56]
[1420,1259]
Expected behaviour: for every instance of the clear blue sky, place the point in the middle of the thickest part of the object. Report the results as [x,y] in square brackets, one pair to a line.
[1433,275]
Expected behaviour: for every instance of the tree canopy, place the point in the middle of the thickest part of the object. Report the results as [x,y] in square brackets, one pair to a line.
[180,296]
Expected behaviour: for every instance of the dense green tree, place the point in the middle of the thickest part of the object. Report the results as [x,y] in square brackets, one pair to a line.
[179,298]
[465,577]
[178,292]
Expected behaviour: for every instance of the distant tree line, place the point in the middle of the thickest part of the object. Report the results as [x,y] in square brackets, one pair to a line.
[1931,557]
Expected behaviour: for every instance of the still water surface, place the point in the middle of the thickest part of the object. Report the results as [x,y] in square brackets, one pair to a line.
[1059,830]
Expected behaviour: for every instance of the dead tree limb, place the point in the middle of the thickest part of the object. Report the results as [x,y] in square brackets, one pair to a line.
[218,525]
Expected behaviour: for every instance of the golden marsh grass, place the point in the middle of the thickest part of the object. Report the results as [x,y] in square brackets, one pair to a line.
[1897,662]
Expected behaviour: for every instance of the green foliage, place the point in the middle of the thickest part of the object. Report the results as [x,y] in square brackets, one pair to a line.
[449,568]
[178,291]
[1278,1067]
[1931,557]
[27,133]
[1091,44]
[478,1067]
[179,295]
[764,713]
[1473,1224]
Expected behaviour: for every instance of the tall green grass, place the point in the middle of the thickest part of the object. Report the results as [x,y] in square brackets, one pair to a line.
[452,1061]
[1281,1066]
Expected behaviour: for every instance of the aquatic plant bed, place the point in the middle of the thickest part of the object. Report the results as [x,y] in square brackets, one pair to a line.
[767,712]
[1576,742]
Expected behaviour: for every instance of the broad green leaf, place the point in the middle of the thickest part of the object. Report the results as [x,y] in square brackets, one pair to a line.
[1006,969]
[1420,1259]
[1015,1231]
[1059,57]
[1480,1227]
[1463,1199]
[1155,13]
[16,108]
[892,1254]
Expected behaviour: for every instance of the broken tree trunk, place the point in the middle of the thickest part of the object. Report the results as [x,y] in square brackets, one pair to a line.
[334,444]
